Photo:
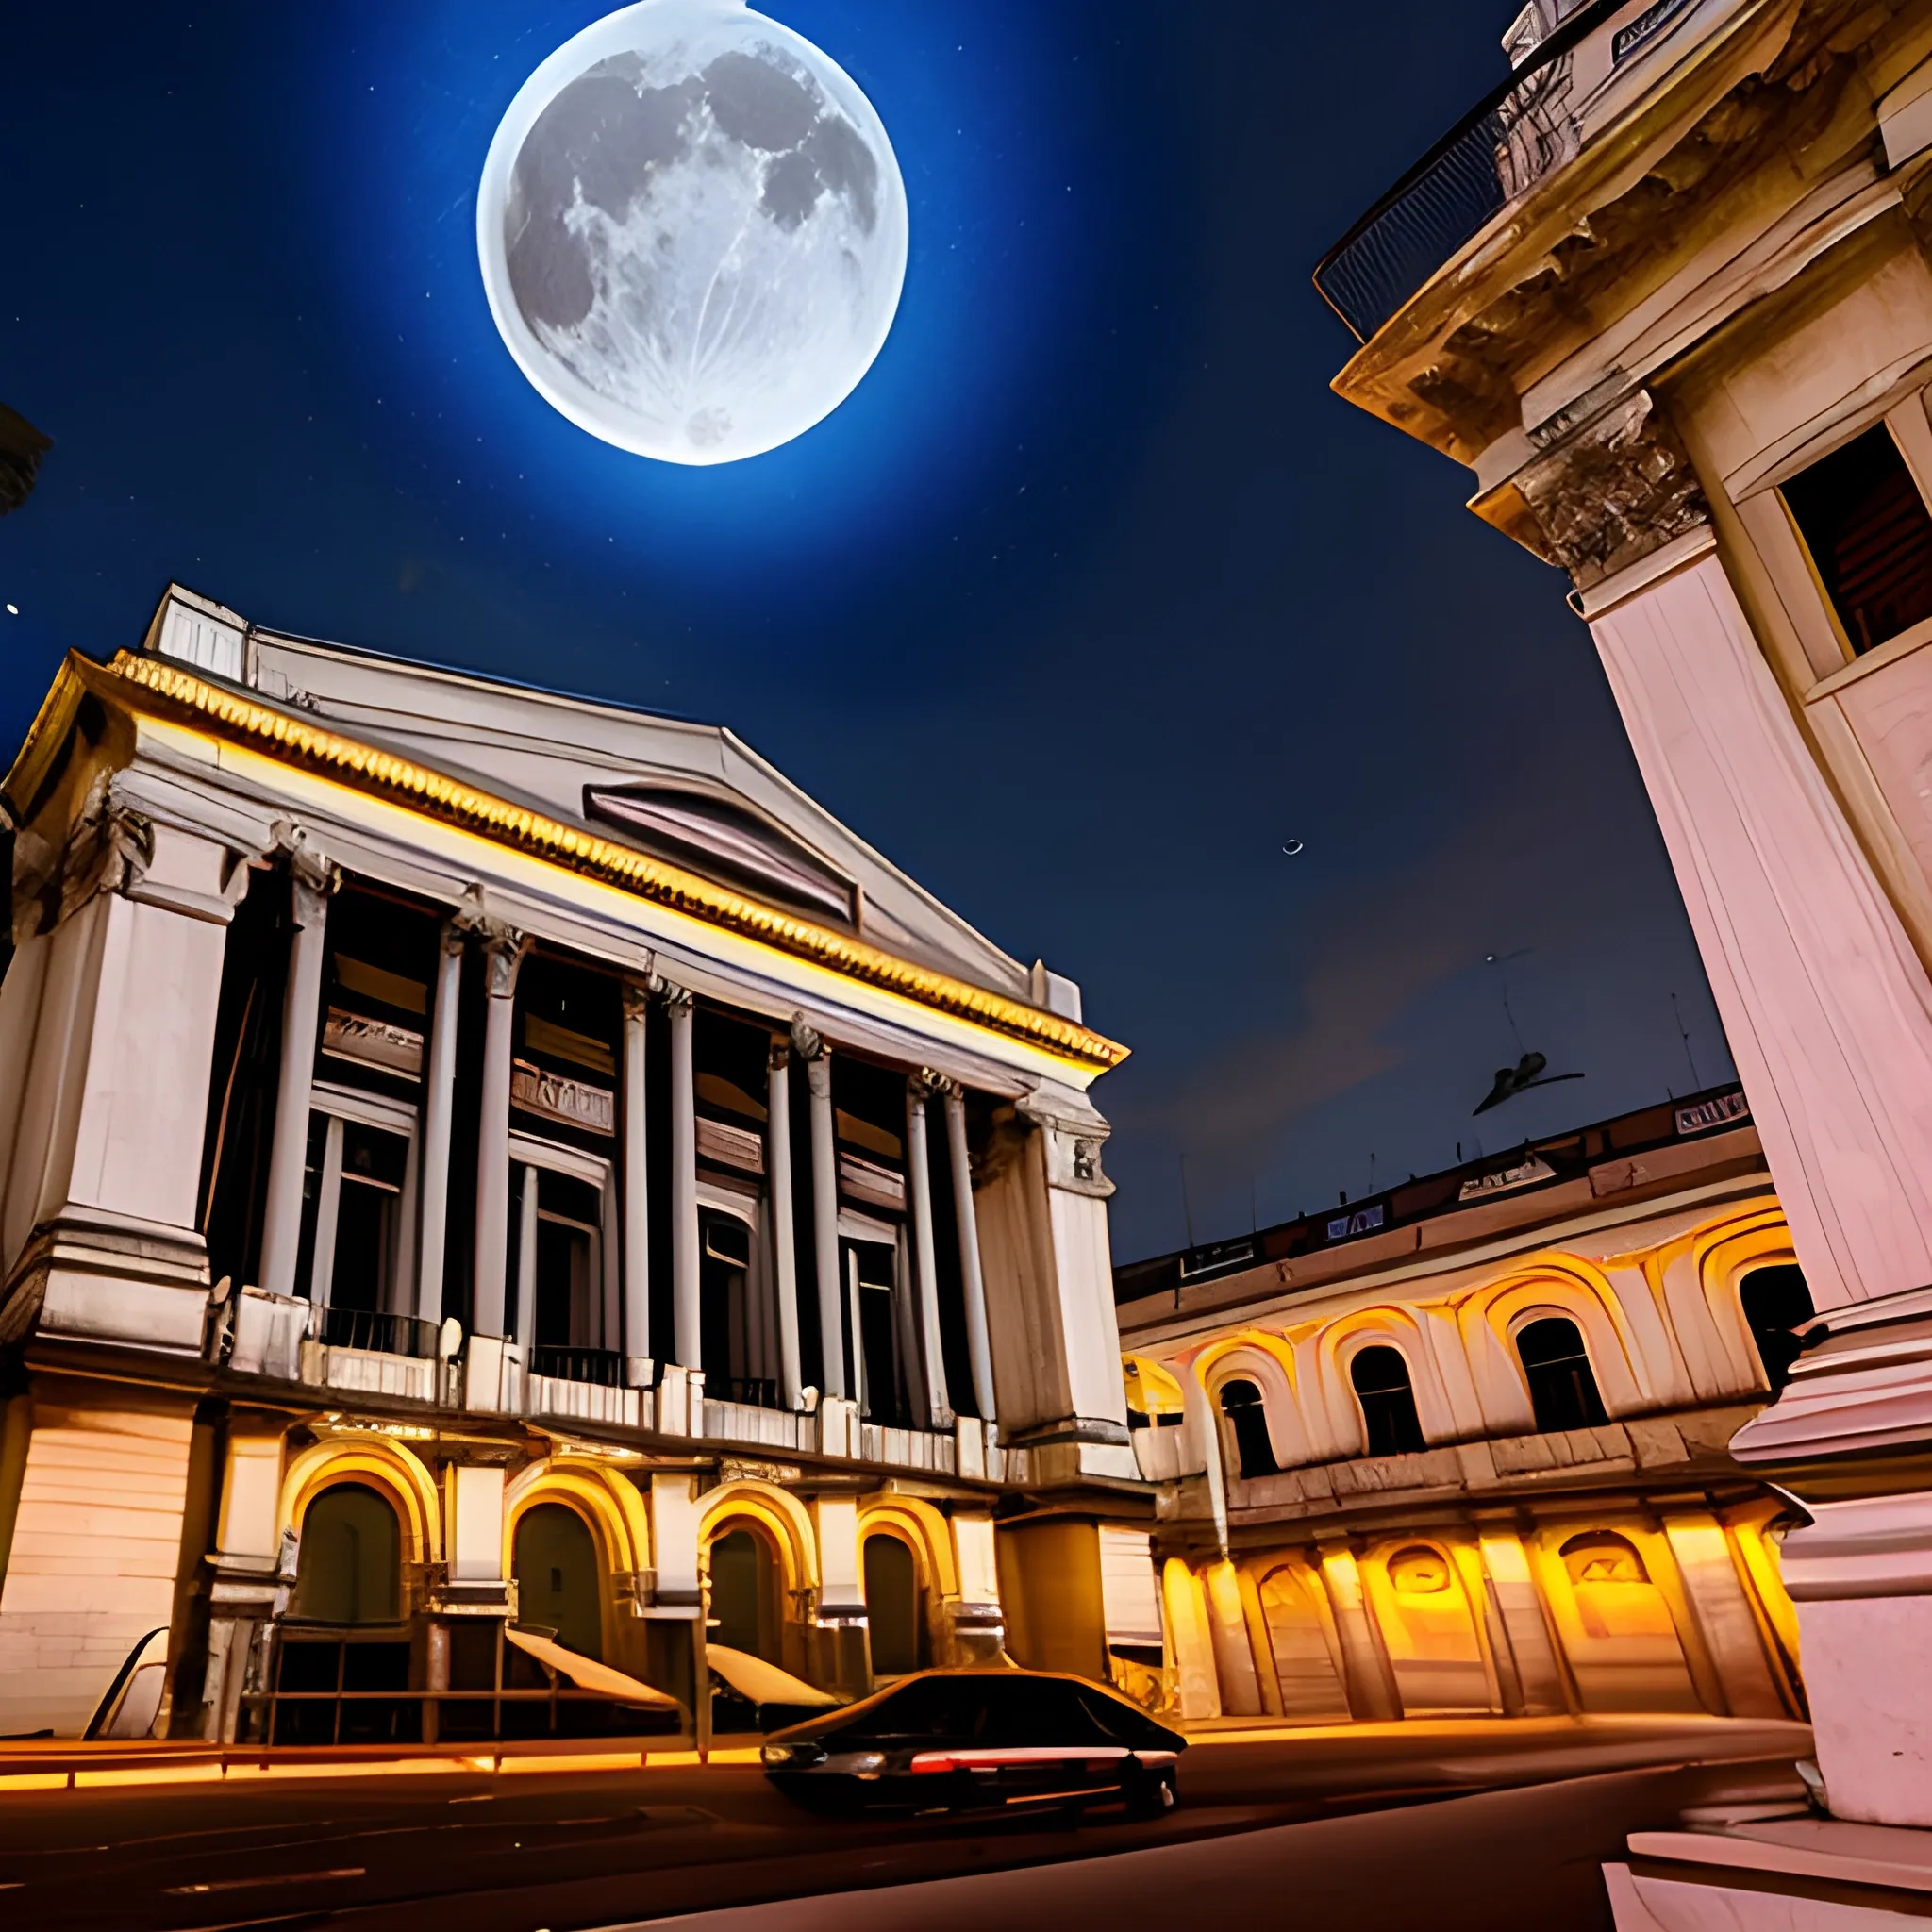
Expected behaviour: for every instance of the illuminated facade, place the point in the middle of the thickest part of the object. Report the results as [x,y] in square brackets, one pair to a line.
[1460,1448]
[1667,294]
[495,1186]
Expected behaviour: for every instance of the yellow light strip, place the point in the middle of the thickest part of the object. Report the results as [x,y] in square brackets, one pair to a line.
[147,682]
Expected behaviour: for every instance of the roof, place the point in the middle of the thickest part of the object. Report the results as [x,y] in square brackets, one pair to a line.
[1473,1189]
[471,754]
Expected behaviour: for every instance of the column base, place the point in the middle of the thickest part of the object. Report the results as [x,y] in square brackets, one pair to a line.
[1774,1873]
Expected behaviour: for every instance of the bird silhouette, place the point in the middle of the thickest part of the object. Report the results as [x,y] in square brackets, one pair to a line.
[1526,1073]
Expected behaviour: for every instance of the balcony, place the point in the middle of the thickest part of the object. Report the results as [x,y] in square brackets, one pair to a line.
[1563,89]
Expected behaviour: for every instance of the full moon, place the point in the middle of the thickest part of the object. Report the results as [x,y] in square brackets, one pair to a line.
[692,231]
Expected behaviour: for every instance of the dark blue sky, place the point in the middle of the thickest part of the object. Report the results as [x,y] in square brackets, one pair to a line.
[1089,598]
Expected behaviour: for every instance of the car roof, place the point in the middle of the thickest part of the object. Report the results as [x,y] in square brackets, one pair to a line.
[830,1718]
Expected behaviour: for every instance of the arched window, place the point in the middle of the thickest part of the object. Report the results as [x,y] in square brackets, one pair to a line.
[892,1605]
[1562,1388]
[745,1595]
[1601,1556]
[350,1567]
[1775,1301]
[1240,1403]
[558,1582]
[1380,1376]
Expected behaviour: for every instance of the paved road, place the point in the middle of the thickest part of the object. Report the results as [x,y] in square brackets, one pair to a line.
[554,1852]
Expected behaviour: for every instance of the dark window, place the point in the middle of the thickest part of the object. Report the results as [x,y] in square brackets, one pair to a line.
[1022,1710]
[1870,537]
[892,1605]
[1775,1301]
[725,1310]
[948,1708]
[1562,1390]
[1381,1386]
[570,1260]
[1240,1403]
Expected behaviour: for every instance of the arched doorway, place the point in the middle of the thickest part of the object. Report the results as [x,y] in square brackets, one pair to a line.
[1430,1635]
[745,1612]
[894,1606]
[1621,1638]
[558,1577]
[1305,1666]
[349,1569]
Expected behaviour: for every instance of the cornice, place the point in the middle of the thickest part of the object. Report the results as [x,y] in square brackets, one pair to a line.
[148,686]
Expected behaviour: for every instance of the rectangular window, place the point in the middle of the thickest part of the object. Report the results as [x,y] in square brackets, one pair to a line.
[1869,534]
[564,1260]
[358,1219]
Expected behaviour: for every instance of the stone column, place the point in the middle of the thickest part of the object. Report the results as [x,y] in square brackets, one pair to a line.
[1824,1003]
[311,883]
[926,1274]
[438,1111]
[824,1209]
[1519,1628]
[978,1347]
[637,1193]
[502,954]
[784,1246]
[527,1262]
[686,1309]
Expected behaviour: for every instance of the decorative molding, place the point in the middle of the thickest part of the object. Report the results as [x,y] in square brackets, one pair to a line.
[147,686]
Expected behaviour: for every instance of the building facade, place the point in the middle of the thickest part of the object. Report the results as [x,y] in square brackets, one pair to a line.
[504,1198]
[1668,294]
[1460,1448]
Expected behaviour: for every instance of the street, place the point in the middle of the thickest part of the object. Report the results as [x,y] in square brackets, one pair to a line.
[1531,1807]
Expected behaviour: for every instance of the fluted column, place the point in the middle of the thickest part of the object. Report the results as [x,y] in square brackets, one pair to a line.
[502,955]
[636,1194]
[784,1253]
[978,1342]
[687,1308]
[824,1209]
[926,1275]
[311,883]
[439,1111]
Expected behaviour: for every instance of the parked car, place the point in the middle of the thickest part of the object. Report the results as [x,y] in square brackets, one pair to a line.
[991,1738]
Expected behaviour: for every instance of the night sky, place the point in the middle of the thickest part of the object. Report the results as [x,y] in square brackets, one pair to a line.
[1088,600]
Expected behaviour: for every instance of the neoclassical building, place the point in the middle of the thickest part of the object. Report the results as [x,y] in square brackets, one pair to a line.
[504,1196]
[1460,1448]
[1667,293]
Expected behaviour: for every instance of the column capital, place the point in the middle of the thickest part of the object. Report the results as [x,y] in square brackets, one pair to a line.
[504,948]
[674,997]
[806,1040]
[1606,492]
[778,1057]
[637,1000]
[930,1085]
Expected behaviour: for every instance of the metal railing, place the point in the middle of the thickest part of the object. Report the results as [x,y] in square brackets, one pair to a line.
[364,1328]
[602,1366]
[753,1392]
[1510,139]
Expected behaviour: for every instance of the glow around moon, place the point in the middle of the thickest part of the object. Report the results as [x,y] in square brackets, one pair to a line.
[692,231]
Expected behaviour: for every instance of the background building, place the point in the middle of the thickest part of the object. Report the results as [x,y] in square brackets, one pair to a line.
[491,1184]
[1667,293]
[1460,1448]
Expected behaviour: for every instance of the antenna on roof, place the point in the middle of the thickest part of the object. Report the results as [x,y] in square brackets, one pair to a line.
[1684,1034]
